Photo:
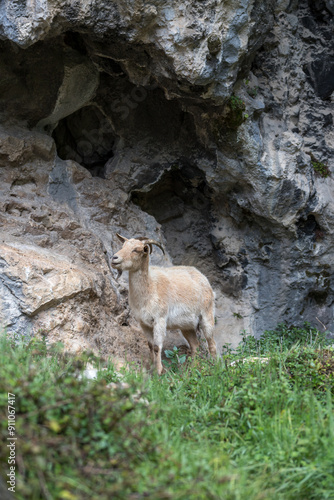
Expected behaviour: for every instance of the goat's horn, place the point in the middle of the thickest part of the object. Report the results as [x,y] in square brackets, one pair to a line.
[153,242]
[150,242]
[122,238]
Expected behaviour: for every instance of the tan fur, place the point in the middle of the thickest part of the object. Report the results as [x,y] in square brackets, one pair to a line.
[178,297]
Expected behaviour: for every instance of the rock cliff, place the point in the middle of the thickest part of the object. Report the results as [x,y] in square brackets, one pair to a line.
[206,125]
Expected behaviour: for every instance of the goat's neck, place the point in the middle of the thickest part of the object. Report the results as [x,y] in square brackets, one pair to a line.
[139,284]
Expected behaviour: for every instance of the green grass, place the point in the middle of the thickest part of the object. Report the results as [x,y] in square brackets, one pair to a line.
[224,430]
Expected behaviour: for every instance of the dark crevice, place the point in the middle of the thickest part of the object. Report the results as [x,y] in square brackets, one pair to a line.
[320,11]
[320,74]
[86,137]
[309,227]
[318,296]
[75,41]
[109,66]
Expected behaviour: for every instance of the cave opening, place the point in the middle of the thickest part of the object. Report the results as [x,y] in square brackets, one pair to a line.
[182,187]
[86,137]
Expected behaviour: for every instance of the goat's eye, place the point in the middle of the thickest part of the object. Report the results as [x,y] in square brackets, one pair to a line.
[136,250]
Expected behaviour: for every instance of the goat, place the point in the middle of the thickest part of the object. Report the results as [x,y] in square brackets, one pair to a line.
[178,297]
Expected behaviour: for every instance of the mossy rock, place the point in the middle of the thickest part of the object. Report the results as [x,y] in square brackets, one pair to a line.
[214,44]
[320,168]
[235,112]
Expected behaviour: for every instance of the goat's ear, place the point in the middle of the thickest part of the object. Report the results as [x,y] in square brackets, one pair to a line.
[147,249]
[122,238]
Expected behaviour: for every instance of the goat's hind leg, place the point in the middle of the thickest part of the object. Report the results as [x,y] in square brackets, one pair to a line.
[148,332]
[151,347]
[191,337]
[207,326]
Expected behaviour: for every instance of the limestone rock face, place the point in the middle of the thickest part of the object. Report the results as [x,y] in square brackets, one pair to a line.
[201,43]
[206,125]
[56,227]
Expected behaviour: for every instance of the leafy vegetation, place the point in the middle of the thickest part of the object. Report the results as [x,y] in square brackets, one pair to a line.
[236,103]
[237,315]
[321,169]
[175,358]
[253,91]
[258,424]
[282,339]
[235,116]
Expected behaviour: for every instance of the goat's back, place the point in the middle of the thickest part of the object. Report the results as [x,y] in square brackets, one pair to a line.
[182,284]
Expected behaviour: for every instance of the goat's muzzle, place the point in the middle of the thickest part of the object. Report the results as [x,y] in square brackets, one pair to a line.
[115,261]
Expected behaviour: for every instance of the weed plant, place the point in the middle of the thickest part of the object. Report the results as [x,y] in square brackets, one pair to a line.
[320,168]
[230,429]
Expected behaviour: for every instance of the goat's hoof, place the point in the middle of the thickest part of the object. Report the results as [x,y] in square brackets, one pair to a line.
[160,371]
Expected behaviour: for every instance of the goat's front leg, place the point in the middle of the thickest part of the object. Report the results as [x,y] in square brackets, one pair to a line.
[159,332]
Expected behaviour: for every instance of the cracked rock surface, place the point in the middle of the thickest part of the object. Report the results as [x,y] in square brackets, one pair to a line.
[205,125]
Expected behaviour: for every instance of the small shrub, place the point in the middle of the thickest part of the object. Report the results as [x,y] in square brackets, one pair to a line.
[321,169]
[175,358]
[282,339]
[235,117]
[236,103]
[237,315]
[109,374]
[74,436]
[311,369]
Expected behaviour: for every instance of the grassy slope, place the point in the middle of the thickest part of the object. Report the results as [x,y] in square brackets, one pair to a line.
[242,431]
